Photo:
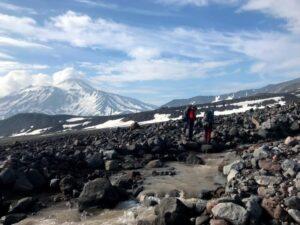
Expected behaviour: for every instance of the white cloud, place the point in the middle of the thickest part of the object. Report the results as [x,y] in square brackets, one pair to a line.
[284,9]
[65,74]
[144,53]
[7,41]
[269,53]
[195,2]
[19,79]
[5,56]
[155,69]
[15,8]
[8,65]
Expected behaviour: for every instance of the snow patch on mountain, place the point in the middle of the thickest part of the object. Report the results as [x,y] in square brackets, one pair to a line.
[33,132]
[71,97]
[112,124]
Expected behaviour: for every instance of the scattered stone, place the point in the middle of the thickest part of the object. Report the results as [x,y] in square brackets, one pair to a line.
[171,211]
[98,193]
[154,164]
[13,218]
[295,214]
[24,205]
[230,212]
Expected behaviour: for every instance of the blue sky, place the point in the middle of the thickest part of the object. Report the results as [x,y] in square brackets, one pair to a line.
[153,50]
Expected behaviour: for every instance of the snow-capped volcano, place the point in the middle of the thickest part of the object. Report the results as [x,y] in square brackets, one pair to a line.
[73,96]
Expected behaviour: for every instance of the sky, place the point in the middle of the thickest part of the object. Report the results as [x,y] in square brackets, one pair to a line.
[152,50]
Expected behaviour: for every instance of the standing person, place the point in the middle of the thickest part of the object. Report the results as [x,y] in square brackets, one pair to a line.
[208,121]
[190,117]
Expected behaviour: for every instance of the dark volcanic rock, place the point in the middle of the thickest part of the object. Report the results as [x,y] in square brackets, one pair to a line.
[171,211]
[98,193]
[13,218]
[24,205]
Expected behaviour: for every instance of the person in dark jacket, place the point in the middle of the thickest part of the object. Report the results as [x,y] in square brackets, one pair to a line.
[190,118]
[208,121]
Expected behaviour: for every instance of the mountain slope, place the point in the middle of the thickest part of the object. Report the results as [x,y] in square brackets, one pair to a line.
[28,124]
[73,97]
[292,87]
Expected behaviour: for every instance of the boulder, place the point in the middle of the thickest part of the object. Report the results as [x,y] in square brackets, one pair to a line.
[171,211]
[235,214]
[237,165]
[112,165]
[67,184]
[272,207]
[291,141]
[24,205]
[295,214]
[232,174]
[13,218]
[7,177]
[95,161]
[36,179]
[98,193]
[262,152]
[154,164]
[194,159]
[201,220]
[22,185]
[200,206]
[289,164]
[292,202]
[254,209]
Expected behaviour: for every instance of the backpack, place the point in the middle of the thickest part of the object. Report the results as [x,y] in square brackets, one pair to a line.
[208,117]
[191,115]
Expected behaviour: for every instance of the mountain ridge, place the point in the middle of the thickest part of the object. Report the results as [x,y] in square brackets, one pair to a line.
[291,86]
[73,96]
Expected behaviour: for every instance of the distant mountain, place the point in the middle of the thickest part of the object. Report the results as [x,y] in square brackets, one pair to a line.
[28,124]
[291,87]
[73,97]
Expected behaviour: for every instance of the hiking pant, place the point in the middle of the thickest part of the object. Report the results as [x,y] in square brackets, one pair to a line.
[208,130]
[190,126]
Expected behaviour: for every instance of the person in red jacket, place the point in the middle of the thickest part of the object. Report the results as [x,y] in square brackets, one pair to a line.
[190,118]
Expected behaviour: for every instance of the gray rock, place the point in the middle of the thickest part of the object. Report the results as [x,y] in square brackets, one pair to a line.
[289,164]
[110,154]
[13,218]
[54,184]
[95,161]
[98,193]
[231,212]
[24,205]
[267,180]
[262,152]
[112,165]
[295,214]
[201,220]
[171,211]
[200,206]
[237,165]
[67,184]
[292,202]
[154,164]
[254,208]
[194,159]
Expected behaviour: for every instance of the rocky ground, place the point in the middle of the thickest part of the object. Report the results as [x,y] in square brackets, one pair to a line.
[262,186]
